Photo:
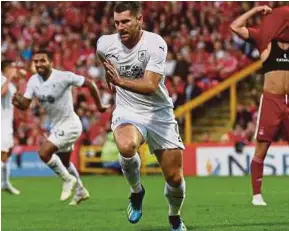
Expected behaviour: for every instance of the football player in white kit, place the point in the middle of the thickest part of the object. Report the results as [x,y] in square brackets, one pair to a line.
[8,72]
[134,60]
[52,88]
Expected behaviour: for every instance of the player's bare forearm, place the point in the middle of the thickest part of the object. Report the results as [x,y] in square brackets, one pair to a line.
[145,86]
[5,87]
[239,25]
[95,95]
[140,86]
[19,106]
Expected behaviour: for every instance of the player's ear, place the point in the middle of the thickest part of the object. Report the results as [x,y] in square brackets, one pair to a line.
[50,60]
[32,67]
[140,20]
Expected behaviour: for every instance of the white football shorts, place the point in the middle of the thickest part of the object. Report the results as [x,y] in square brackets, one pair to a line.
[160,130]
[64,135]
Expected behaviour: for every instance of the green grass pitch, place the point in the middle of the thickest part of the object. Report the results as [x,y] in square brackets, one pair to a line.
[212,204]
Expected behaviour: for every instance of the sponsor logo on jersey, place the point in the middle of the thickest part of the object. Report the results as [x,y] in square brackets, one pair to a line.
[46,98]
[282,60]
[131,71]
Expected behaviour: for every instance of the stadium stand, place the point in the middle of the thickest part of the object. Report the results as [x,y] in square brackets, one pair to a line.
[202,52]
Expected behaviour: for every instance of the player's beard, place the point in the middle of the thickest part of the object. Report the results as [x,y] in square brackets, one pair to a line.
[125,37]
[136,34]
[43,72]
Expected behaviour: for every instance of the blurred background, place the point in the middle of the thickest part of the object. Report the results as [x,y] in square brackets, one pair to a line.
[213,77]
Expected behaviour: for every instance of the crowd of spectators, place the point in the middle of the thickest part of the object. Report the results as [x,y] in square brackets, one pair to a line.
[202,51]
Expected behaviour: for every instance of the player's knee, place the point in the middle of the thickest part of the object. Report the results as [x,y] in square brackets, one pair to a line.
[127,148]
[262,148]
[174,179]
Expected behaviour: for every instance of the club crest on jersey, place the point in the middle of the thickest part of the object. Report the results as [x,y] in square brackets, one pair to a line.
[142,55]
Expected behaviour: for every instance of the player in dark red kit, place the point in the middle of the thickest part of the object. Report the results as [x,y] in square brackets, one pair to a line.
[272,40]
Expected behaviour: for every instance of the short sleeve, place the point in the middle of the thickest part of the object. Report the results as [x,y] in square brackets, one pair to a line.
[29,92]
[101,47]
[75,80]
[158,54]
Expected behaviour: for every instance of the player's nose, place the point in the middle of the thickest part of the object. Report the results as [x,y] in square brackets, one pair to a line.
[120,27]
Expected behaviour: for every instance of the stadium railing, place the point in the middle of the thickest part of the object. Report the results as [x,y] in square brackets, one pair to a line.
[231,82]
[91,163]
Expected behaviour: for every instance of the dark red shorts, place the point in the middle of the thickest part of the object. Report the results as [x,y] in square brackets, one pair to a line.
[273,116]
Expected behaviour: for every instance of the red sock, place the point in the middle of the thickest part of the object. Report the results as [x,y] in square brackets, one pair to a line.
[257,174]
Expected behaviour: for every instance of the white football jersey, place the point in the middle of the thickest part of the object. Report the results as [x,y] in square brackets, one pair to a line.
[7,106]
[149,54]
[55,94]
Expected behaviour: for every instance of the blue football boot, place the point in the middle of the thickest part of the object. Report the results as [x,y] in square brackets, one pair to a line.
[134,209]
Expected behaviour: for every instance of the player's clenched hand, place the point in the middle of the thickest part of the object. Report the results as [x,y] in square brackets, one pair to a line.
[112,73]
[16,99]
[264,9]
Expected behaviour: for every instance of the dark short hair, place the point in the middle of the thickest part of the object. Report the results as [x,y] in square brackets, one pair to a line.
[133,7]
[5,63]
[42,51]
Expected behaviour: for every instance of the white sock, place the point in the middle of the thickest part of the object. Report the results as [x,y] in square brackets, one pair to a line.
[176,197]
[4,174]
[57,166]
[131,170]
[73,171]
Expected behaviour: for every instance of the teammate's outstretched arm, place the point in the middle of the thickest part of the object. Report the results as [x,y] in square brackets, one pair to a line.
[20,101]
[146,85]
[95,94]
[239,25]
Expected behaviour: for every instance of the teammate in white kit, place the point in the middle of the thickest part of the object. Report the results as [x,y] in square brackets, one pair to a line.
[135,64]
[53,90]
[8,72]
